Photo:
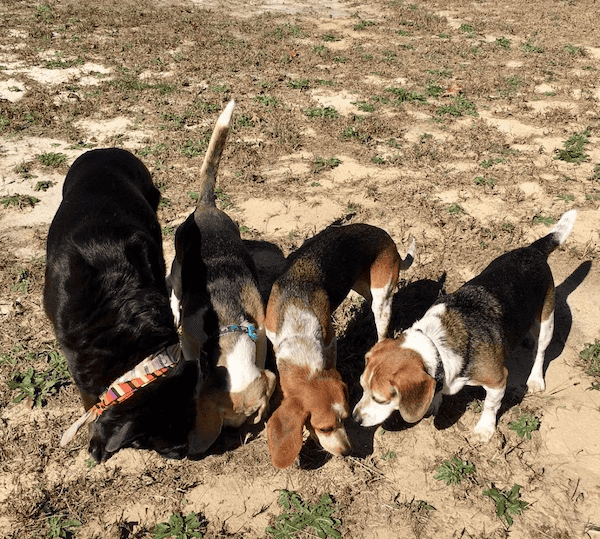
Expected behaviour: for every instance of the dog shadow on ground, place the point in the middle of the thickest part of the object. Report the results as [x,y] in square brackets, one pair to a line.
[520,363]
[409,304]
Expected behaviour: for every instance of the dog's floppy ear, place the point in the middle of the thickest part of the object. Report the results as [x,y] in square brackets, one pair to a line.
[120,437]
[415,393]
[284,432]
[207,427]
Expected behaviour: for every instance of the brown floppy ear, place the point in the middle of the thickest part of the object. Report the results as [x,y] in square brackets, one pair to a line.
[207,427]
[415,393]
[284,433]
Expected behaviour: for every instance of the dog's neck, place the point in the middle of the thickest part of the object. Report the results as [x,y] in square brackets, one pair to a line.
[428,344]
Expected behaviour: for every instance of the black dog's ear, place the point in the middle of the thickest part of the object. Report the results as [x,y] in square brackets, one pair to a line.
[120,437]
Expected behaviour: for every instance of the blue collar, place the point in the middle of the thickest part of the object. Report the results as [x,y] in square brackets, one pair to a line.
[240,328]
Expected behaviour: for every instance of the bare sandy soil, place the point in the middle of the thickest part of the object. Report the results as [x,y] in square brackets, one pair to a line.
[446,121]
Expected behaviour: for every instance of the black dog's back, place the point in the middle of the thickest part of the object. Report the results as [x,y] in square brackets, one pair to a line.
[106,296]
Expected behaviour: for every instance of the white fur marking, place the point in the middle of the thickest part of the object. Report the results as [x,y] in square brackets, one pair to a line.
[486,426]
[564,226]
[176,308]
[381,306]
[241,364]
[543,334]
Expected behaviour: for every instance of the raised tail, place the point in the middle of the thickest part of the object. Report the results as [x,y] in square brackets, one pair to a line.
[208,173]
[557,235]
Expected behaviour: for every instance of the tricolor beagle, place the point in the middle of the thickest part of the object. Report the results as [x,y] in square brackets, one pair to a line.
[465,338]
[237,386]
[319,276]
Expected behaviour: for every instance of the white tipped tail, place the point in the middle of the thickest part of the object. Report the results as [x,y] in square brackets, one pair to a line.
[210,166]
[564,226]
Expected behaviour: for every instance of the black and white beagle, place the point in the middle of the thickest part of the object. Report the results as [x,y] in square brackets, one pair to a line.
[106,296]
[237,386]
[464,339]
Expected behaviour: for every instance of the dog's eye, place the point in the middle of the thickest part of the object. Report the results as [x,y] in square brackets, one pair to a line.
[326,430]
[380,401]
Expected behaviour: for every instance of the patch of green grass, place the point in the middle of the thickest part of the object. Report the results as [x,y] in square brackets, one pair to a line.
[43,185]
[301,84]
[59,63]
[461,106]
[541,220]
[434,90]
[566,197]
[388,455]
[321,164]
[572,49]
[300,515]
[219,88]
[244,229]
[444,73]
[180,527]
[59,527]
[363,24]
[192,148]
[525,425]
[364,106]
[487,163]
[194,196]
[530,47]
[481,180]
[266,100]
[20,201]
[591,356]
[453,471]
[507,503]
[467,29]
[378,160]
[223,199]
[244,121]
[510,85]
[455,209]
[330,38]
[573,148]
[503,42]
[403,95]
[322,112]
[38,386]
[596,172]
[22,284]
[403,33]
[52,159]
[168,230]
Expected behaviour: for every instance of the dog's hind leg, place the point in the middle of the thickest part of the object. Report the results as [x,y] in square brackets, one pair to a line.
[542,331]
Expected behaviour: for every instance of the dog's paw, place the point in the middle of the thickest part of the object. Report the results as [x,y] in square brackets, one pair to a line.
[535,385]
[483,432]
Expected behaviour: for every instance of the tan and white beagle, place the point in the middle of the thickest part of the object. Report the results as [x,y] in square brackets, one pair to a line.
[232,334]
[318,277]
[464,339]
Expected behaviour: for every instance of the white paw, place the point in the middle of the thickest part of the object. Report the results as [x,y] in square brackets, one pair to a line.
[483,433]
[535,385]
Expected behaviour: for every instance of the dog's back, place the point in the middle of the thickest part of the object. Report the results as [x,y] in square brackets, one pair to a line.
[105,294]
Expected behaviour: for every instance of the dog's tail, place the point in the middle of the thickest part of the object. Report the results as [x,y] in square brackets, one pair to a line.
[557,235]
[410,256]
[208,173]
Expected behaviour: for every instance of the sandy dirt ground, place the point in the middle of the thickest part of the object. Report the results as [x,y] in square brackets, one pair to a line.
[438,121]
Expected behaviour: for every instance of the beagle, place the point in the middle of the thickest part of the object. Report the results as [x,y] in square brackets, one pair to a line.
[464,339]
[106,296]
[237,386]
[318,277]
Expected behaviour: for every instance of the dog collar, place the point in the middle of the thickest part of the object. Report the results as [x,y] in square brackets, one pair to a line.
[440,373]
[240,328]
[124,387]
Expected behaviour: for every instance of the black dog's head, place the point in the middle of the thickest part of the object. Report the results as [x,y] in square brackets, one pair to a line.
[159,417]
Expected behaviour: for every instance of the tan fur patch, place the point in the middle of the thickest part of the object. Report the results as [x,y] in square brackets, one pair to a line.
[457,334]
[488,368]
[385,268]
[548,307]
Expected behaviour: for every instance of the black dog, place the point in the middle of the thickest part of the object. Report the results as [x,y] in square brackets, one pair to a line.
[106,296]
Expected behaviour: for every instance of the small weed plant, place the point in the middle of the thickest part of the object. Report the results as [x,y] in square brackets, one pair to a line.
[223,200]
[60,527]
[38,386]
[485,182]
[300,515]
[573,148]
[322,112]
[525,425]
[325,164]
[179,527]
[591,357]
[402,95]
[20,201]
[455,209]
[52,159]
[541,220]
[453,471]
[461,105]
[507,503]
